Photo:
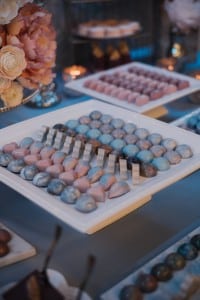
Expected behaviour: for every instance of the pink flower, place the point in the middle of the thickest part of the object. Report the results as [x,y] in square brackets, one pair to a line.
[32,31]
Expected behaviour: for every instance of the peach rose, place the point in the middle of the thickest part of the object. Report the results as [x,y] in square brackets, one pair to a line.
[12,96]
[4,84]
[32,31]
[12,62]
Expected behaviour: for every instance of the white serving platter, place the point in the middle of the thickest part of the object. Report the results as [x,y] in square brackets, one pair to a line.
[110,210]
[78,85]
[183,120]
[19,249]
[165,287]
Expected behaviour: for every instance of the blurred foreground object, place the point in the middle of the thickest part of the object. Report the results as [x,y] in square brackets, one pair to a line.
[185,14]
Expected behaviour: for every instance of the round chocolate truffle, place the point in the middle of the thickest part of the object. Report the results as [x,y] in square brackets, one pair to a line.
[141,133]
[95,115]
[162,272]
[147,283]
[60,127]
[188,251]
[175,261]
[5,236]
[130,292]
[117,123]
[195,240]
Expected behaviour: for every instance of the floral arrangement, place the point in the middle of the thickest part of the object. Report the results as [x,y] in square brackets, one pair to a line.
[27,49]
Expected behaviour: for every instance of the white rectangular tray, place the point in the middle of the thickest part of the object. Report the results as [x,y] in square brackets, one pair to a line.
[182,121]
[113,292]
[111,210]
[19,249]
[78,85]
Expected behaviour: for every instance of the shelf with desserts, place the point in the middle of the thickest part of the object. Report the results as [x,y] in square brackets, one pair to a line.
[107,29]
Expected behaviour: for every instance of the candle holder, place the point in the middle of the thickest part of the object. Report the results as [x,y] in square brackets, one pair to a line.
[46,97]
[168,63]
[72,73]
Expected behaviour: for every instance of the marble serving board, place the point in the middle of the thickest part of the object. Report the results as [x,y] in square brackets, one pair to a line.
[110,210]
[19,249]
[78,85]
[164,288]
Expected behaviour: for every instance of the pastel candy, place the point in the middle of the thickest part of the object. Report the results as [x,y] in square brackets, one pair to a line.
[55,170]
[68,177]
[169,144]
[72,124]
[70,195]
[184,150]
[144,144]
[31,159]
[20,153]
[158,150]
[83,184]
[106,128]
[118,189]
[98,193]
[145,156]
[161,163]
[94,174]
[141,133]
[82,168]
[117,144]
[41,179]
[58,157]
[69,163]
[83,128]
[26,142]
[155,138]
[117,123]
[105,118]
[93,133]
[129,128]
[36,147]
[42,164]
[107,180]
[5,159]
[9,148]
[47,152]
[130,138]
[118,133]
[28,172]
[95,124]
[84,120]
[86,204]
[16,165]
[55,186]
[130,150]
[95,115]
[173,157]
[105,139]
[147,170]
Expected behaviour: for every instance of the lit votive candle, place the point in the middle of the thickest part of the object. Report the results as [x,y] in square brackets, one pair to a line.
[73,72]
[70,74]
[168,63]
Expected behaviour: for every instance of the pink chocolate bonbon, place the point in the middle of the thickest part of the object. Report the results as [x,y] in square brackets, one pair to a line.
[9,148]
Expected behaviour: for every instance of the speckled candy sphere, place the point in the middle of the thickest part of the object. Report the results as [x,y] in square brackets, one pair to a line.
[195,240]
[130,292]
[188,251]
[162,272]
[175,261]
[147,283]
